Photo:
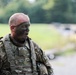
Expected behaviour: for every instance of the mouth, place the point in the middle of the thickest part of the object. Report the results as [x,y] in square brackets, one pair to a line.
[26,33]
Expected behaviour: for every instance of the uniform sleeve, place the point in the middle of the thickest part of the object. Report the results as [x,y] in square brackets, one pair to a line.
[4,64]
[2,54]
[41,57]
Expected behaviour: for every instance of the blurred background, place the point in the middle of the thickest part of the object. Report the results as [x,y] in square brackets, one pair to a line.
[53,28]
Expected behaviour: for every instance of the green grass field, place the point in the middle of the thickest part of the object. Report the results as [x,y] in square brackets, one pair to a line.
[44,35]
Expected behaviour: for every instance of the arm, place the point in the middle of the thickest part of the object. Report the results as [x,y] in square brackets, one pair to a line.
[4,64]
[45,60]
[41,57]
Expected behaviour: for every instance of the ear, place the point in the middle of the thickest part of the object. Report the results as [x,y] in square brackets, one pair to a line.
[12,27]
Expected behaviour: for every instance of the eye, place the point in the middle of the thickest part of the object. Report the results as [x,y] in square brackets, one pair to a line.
[23,26]
[26,26]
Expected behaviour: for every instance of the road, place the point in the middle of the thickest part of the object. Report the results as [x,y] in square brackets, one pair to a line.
[65,65]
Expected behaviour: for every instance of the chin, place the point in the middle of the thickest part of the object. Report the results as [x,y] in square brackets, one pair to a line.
[25,37]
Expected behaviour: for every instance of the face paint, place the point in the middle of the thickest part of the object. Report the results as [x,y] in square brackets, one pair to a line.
[22,29]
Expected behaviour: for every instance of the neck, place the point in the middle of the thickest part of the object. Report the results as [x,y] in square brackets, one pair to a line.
[17,42]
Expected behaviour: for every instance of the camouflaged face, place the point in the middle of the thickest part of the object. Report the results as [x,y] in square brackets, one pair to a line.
[22,28]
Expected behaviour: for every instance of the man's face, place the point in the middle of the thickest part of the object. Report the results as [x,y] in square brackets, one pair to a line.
[21,31]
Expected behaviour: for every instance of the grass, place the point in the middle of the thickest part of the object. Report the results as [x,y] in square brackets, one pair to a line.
[68,52]
[4,29]
[44,35]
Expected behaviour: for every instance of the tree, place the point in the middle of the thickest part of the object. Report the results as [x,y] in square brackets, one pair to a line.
[13,7]
[59,10]
[3,3]
[37,13]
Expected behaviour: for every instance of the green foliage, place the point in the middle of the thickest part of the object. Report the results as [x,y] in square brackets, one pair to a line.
[13,7]
[59,10]
[38,13]
[3,3]
[48,4]
[41,11]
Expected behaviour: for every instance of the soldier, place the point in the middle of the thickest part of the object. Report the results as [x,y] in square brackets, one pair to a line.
[19,55]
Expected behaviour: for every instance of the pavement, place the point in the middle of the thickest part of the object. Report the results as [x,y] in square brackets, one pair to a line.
[64,65]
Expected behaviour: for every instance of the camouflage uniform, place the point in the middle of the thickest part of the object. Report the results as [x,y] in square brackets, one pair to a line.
[24,60]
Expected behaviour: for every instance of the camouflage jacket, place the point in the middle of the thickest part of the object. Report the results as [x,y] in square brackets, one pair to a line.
[40,58]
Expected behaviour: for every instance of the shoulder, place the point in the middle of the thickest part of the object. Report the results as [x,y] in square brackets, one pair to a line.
[2,49]
[1,42]
[36,46]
